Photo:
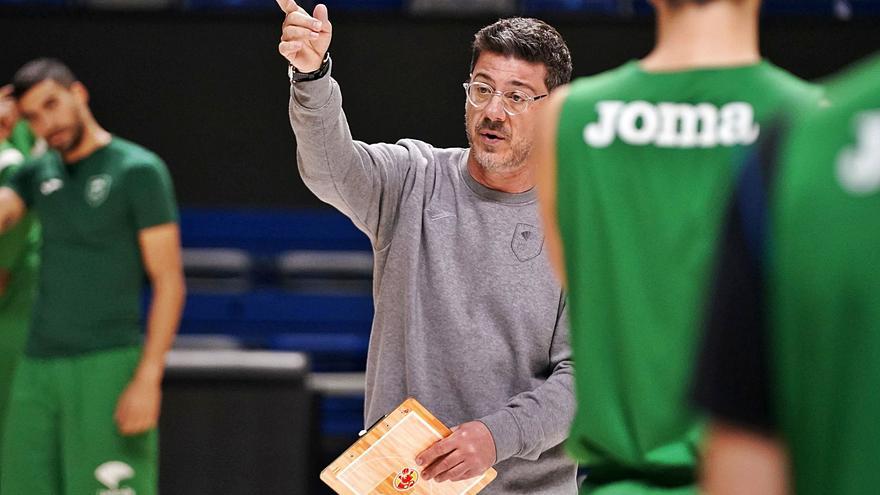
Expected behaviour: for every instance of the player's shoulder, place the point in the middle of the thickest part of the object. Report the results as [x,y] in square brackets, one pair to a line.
[857,86]
[33,164]
[132,156]
[608,81]
[792,87]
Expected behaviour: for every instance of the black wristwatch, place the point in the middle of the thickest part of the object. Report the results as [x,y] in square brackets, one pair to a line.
[296,76]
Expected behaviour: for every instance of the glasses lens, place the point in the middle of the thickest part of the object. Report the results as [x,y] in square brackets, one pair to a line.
[516,101]
[479,94]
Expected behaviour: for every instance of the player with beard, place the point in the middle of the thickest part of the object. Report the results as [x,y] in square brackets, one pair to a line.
[469,318]
[19,253]
[86,396]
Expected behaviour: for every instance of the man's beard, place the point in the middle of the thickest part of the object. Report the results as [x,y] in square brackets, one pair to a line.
[496,162]
[76,138]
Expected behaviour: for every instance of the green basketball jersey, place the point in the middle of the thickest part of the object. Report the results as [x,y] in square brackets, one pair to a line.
[645,167]
[92,274]
[22,138]
[19,256]
[824,285]
[19,247]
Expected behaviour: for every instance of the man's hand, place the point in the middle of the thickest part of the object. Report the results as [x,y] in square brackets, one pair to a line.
[304,38]
[468,452]
[137,410]
[8,112]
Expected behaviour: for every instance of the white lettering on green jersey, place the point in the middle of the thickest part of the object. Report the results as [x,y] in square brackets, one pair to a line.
[672,125]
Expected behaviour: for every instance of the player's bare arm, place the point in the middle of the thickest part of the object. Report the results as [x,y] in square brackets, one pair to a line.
[731,451]
[545,176]
[138,408]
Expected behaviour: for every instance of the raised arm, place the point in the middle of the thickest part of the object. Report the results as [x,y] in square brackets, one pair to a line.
[365,182]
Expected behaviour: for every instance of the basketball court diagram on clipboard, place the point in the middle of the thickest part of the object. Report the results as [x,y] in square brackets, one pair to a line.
[383,462]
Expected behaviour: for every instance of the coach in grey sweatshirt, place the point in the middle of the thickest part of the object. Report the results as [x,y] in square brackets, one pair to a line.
[469,318]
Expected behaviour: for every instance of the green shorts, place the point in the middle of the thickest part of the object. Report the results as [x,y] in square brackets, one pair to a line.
[61,438]
[13,333]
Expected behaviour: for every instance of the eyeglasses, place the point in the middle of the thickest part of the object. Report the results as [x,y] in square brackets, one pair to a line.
[514,102]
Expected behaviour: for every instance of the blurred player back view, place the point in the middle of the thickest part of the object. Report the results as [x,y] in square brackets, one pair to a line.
[644,162]
[794,332]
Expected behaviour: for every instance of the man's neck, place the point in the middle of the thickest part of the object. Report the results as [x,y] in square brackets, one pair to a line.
[94,138]
[717,34]
[515,181]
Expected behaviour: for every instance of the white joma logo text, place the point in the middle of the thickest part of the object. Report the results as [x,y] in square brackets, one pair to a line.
[672,125]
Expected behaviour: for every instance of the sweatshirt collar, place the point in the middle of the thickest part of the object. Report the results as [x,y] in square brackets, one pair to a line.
[493,194]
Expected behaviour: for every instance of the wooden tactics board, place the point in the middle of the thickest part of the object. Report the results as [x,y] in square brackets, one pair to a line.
[383,460]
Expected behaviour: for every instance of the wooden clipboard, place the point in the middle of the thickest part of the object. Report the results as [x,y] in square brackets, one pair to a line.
[383,462]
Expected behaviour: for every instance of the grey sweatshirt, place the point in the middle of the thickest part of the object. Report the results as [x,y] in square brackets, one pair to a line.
[469,318]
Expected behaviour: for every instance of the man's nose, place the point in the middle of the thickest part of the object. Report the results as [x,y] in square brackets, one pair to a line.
[495,108]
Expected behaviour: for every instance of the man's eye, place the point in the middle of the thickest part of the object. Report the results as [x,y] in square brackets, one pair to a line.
[516,97]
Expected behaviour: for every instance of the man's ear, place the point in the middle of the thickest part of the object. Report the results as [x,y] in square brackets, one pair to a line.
[80,92]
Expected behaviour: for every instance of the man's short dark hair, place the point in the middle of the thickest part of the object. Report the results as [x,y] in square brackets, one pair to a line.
[39,70]
[527,39]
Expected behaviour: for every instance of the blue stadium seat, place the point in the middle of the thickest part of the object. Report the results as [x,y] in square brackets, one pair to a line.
[587,6]
[270,311]
[798,7]
[211,313]
[335,352]
[385,5]
[342,416]
[217,269]
[231,5]
[270,232]
[341,272]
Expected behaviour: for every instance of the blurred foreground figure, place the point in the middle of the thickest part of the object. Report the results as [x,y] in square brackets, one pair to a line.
[19,256]
[635,167]
[790,370]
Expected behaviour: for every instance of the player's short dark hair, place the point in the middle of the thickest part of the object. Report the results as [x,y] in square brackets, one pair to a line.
[527,39]
[39,70]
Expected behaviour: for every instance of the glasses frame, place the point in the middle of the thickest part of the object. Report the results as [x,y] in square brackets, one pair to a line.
[528,99]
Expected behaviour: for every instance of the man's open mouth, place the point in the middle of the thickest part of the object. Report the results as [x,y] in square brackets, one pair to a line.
[492,136]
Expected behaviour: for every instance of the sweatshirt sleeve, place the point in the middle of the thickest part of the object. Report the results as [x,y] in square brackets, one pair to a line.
[538,420]
[363,181]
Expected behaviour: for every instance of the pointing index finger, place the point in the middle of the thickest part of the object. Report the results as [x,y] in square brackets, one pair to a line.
[287,6]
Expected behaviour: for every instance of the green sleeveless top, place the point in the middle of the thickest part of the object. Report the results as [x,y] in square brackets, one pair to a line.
[645,168]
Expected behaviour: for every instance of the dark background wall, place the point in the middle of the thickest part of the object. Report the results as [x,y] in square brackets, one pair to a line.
[209,93]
